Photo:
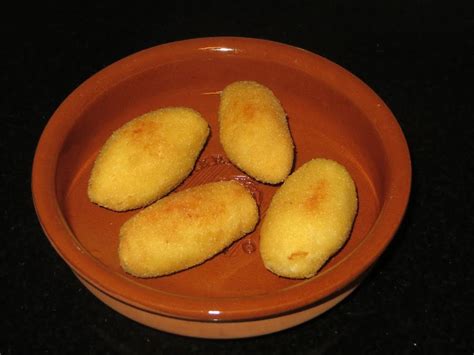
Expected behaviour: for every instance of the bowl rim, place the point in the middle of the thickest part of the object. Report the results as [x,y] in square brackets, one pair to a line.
[222,309]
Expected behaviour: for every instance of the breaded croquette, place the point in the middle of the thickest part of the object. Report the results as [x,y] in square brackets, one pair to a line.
[147,158]
[309,219]
[186,228]
[254,131]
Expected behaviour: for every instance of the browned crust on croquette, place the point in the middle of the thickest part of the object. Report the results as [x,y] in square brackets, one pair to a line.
[254,131]
[309,219]
[319,192]
[147,158]
[186,228]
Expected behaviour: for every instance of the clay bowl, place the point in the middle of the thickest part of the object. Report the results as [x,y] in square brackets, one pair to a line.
[331,114]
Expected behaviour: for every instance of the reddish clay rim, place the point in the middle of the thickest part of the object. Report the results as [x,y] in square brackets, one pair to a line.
[225,309]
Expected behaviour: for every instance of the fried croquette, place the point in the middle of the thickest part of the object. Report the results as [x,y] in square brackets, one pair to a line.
[186,228]
[309,219]
[147,158]
[254,131]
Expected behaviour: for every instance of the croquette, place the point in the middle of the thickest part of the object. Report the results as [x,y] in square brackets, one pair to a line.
[254,132]
[147,158]
[186,228]
[309,219]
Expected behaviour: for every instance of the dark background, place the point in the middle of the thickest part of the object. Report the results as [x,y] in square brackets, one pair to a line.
[418,56]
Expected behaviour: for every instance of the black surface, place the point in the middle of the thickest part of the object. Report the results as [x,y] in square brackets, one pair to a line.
[418,56]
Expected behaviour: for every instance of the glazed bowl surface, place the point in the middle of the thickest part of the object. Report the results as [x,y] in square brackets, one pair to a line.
[331,114]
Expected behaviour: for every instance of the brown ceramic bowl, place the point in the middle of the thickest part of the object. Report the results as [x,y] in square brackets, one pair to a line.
[331,114]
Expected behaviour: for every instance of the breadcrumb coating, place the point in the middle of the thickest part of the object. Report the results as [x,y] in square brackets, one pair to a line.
[254,131]
[309,219]
[147,158]
[186,228]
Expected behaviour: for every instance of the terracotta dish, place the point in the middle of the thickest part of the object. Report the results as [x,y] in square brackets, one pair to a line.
[331,114]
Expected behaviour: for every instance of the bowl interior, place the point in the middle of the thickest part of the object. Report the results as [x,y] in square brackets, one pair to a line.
[324,122]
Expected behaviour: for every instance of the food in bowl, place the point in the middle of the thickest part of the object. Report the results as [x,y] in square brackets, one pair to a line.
[254,131]
[147,158]
[186,228]
[331,114]
[309,219]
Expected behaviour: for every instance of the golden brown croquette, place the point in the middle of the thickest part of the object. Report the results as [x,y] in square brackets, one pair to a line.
[309,219]
[186,228]
[147,158]
[254,132]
